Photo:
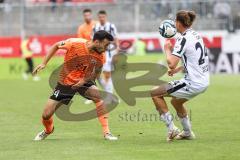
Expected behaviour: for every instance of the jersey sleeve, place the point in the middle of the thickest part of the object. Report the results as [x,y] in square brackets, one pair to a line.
[179,47]
[113,30]
[66,44]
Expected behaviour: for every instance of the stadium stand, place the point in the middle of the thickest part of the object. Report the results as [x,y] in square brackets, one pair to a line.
[46,17]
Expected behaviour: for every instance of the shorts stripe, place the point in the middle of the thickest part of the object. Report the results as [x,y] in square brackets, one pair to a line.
[175,88]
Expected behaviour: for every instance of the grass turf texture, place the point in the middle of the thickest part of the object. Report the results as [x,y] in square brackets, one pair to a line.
[215,119]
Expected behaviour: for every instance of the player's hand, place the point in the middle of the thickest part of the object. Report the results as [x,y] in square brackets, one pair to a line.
[77,85]
[38,68]
[172,72]
[168,46]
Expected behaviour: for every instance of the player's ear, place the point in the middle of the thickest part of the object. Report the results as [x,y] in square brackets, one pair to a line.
[96,42]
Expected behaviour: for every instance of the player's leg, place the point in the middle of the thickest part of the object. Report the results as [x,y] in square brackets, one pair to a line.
[178,104]
[47,119]
[35,77]
[158,94]
[105,81]
[29,68]
[94,94]
[107,78]
[30,65]
[61,95]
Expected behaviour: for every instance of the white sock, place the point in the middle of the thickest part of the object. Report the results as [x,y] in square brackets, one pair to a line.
[185,121]
[168,120]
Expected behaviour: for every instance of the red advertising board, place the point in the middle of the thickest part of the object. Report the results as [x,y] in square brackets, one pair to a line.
[10,46]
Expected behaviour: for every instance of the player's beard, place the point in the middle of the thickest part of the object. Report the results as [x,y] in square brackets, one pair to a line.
[96,50]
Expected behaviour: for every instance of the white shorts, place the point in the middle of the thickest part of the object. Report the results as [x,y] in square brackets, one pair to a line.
[108,66]
[184,89]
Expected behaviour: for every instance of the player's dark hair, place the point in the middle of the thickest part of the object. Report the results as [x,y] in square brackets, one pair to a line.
[101,35]
[186,18]
[87,10]
[102,12]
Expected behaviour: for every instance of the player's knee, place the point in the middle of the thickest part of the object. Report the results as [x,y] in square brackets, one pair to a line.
[47,114]
[173,102]
[107,75]
[98,102]
[153,92]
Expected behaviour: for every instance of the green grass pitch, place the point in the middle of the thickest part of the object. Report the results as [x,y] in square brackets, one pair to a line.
[215,117]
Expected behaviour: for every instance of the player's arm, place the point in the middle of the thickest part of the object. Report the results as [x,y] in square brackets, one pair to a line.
[172,60]
[96,74]
[115,35]
[50,54]
[174,55]
[171,72]
[116,43]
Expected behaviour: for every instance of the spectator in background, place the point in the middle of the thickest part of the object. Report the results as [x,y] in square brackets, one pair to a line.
[27,55]
[140,47]
[222,10]
[85,30]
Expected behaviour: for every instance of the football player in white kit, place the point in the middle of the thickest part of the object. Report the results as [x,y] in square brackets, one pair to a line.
[189,48]
[103,24]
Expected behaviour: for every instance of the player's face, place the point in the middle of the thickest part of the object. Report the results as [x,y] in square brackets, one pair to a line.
[102,18]
[87,17]
[177,25]
[180,28]
[101,46]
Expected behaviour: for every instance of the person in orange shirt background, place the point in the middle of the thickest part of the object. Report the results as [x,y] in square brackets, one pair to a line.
[85,29]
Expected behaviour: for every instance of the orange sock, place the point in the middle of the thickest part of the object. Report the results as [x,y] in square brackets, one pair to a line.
[48,124]
[102,116]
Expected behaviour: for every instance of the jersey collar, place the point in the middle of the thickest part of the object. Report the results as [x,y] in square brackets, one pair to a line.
[185,32]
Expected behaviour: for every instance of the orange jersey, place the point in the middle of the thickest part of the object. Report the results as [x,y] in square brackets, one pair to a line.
[85,30]
[79,62]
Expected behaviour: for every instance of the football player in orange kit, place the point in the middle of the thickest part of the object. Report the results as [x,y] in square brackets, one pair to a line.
[85,30]
[82,63]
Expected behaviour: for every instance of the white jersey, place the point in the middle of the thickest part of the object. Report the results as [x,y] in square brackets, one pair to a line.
[110,28]
[190,48]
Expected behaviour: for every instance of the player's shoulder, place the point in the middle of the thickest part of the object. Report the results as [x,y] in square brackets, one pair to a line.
[82,26]
[94,22]
[191,34]
[97,24]
[77,40]
[111,24]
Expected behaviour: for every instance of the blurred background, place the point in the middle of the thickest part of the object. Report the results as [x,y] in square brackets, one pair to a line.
[63,16]
[48,21]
